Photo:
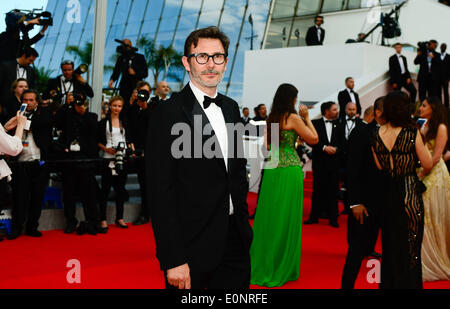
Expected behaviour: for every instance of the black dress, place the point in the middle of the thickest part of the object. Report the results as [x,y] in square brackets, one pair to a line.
[402,212]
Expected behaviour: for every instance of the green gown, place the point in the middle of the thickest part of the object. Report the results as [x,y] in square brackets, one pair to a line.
[275,251]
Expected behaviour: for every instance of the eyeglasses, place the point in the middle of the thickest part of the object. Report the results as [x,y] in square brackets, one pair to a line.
[203,58]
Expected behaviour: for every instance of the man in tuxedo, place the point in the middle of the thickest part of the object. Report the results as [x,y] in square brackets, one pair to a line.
[30,178]
[200,216]
[245,119]
[362,177]
[445,71]
[325,165]
[133,68]
[400,76]
[68,82]
[315,34]
[429,72]
[15,69]
[161,92]
[348,95]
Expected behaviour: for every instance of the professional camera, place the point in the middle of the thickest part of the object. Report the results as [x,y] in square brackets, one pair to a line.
[15,18]
[83,68]
[123,49]
[78,99]
[120,156]
[143,96]
[423,47]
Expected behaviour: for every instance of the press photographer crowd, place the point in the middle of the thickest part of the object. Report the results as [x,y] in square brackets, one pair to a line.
[53,133]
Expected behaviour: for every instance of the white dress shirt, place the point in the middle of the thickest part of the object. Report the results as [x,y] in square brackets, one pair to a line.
[328,128]
[319,32]
[352,95]
[31,151]
[66,87]
[217,121]
[349,126]
[21,72]
[402,65]
[443,55]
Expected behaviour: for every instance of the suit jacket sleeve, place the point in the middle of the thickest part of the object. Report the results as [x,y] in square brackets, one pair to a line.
[356,166]
[86,89]
[116,72]
[161,182]
[322,140]
[308,38]
[36,38]
[392,71]
[141,67]
[358,104]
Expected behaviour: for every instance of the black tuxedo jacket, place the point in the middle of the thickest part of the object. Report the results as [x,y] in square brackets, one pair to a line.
[435,73]
[311,36]
[8,74]
[41,127]
[55,84]
[351,139]
[445,69]
[322,160]
[344,99]
[138,64]
[395,71]
[363,176]
[190,196]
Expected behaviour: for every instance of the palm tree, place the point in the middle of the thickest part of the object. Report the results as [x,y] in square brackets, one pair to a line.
[160,59]
[85,54]
[42,76]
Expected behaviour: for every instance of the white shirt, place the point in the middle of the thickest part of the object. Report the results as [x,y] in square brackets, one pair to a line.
[352,95]
[21,72]
[113,139]
[319,32]
[443,55]
[31,151]
[349,126]
[215,117]
[402,65]
[329,129]
[10,145]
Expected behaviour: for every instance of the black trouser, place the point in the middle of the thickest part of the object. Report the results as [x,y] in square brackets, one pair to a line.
[360,238]
[410,88]
[118,183]
[325,194]
[79,180]
[29,183]
[444,88]
[428,87]
[145,207]
[233,271]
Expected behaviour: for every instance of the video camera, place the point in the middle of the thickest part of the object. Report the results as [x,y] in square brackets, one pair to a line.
[423,47]
[125,50]
[15,18]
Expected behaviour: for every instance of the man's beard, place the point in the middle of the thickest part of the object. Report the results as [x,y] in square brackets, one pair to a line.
[213,84]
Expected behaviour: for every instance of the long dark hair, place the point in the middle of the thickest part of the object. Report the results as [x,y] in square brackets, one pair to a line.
[396,110]
[438,117]
[283,105]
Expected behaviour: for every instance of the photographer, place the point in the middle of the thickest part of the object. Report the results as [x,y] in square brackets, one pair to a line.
[112,136]
[139,118]
[79,140]
[430,69]
[11,44]
[70,81]
[17,69]
[30,176]
[133,68]
[12,105]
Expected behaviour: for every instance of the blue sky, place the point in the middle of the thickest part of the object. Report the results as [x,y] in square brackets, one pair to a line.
[6,6]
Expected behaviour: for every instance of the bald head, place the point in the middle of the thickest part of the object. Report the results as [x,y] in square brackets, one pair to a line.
[162,90]
[351,109]
[127,42]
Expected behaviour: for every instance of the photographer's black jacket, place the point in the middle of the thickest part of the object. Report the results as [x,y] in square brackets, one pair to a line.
[424,73]
[138,64]
[8,74]
[11,45]
[55,84]
[101,134]
[139,120]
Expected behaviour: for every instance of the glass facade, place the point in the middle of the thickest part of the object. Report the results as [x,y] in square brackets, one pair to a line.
[292,18]
[168,22]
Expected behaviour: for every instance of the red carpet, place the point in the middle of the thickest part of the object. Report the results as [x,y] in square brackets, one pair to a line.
[125,259]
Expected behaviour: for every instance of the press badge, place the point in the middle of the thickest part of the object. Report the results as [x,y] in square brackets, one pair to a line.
[27,125]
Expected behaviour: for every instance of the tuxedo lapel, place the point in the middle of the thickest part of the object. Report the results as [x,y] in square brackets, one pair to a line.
[323,130]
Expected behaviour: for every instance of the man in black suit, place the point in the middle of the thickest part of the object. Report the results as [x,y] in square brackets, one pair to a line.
[68,82]
[445,71]
[315,34]
[400,76]
[15,69]
[348,95]
[429,72]
[362,177]
[200,216]
[161,92]
[30,178]
[325,165]
[245,119]
[133,68]
[79,139]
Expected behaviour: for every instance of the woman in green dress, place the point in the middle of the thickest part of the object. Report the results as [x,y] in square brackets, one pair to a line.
[275,251]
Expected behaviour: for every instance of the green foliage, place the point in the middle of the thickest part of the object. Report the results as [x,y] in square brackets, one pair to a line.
[43,75]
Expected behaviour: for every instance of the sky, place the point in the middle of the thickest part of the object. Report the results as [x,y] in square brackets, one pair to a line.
[8,5]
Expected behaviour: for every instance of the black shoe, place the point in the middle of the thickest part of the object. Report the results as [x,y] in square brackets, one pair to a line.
[70,228]
[120,225]
[103,230]
[375,255]
[33,233]
[141,220]
[311,221]
[334,224]
[13,235]
[82,228]
[92,229]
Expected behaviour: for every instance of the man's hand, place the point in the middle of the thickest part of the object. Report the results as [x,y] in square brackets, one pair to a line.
[111,84]
[431,55]
[131,72]
[330,150]
[33,21]
[180,277]
[44,29]
[359,212]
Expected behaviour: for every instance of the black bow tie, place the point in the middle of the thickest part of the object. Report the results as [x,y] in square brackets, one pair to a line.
[22,67]
[328,121]
[207,102]
[351,119]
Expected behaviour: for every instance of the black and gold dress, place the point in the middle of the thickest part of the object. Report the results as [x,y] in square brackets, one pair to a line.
[402,212]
